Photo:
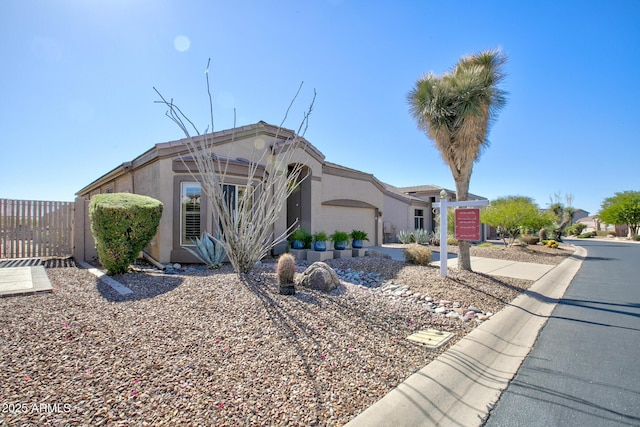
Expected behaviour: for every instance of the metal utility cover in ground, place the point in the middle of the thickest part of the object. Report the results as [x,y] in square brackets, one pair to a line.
[431,338]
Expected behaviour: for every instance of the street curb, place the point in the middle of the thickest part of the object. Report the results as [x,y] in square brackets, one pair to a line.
[461,386]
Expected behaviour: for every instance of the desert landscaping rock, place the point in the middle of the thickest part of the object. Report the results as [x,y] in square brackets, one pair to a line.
[319,276]
[206,347]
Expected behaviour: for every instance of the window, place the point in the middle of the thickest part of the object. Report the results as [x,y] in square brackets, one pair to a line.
[233,194]
[418,219]
[189,212]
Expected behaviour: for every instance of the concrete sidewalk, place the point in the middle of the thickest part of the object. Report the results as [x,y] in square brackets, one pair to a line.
[460,386]
[491,266]
[505,268]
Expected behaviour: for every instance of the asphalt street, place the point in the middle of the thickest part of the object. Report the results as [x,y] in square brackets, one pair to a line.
[584,369]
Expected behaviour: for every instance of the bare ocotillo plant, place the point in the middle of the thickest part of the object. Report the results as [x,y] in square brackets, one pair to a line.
[247,229]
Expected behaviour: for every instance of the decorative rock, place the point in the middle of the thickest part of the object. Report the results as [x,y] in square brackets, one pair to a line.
[452,314]
[470,314]
[456,304]
[177,266]
[319,276]
[441,310]
[378,254]
[483,317]
[445,302]
[474,309]
[428,299]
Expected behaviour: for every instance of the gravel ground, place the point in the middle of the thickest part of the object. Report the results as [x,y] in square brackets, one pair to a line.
[209,348]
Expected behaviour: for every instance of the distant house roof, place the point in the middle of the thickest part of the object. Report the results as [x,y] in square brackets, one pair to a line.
[429,189]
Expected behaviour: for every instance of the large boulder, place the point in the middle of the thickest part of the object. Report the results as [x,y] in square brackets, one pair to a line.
[319,276]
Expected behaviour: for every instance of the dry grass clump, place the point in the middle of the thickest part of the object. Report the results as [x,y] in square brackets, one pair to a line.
[417,254]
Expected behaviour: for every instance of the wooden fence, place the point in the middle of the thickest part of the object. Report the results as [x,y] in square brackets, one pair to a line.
[33,229]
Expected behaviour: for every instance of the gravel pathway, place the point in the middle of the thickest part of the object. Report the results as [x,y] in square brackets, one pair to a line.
[209,348]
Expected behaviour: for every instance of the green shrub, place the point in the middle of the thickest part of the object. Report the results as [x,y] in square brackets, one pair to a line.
[417,254]
[585,235]
[122,225]
[452,241]
[302,235]
[575,229]
[359,235]
[339,236]
[320,236]
[636,238]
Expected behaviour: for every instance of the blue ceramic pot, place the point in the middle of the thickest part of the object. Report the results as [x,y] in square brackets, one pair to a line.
[320,246]
[297,244]
[340,246]
[357,244]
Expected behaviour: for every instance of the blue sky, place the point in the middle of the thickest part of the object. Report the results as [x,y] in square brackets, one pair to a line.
[77,81]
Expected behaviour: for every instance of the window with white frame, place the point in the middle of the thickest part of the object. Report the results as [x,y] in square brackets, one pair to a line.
[418,219]
[190,197]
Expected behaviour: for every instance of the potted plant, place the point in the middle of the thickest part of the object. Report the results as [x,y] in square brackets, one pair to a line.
[358,236]
[300,239]
[320,241]
[340,240]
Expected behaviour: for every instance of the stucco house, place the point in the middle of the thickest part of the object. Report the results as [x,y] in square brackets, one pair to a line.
[331,197]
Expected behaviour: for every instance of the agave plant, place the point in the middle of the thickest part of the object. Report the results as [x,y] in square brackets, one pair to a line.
[421,236]
[210,250]
[405,236]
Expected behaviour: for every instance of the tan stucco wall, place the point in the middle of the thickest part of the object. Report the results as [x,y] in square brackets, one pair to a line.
[395,213]
[342,218]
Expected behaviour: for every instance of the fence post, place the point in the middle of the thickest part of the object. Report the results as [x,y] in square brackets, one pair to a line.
[78,229]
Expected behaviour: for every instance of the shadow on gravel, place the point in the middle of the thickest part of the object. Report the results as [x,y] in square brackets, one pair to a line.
[140,287]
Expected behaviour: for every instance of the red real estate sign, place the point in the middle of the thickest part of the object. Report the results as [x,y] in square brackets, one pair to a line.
[467,224]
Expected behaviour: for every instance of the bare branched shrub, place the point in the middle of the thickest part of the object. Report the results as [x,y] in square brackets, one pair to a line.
[246,231]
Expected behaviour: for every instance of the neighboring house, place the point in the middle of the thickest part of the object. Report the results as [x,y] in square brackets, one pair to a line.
[593,223]
[578,215]
[331,197]
[414,210]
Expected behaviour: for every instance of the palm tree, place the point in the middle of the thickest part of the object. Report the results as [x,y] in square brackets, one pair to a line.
[456,111]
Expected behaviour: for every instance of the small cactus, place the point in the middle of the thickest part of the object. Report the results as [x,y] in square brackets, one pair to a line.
[543,234]
[286,271]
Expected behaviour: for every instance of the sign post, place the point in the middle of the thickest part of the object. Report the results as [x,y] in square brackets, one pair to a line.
[467,219]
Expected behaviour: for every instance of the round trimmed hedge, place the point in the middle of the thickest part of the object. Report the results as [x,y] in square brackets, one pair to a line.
[122,225]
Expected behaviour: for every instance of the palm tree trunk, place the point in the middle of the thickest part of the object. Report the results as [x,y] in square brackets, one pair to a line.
[462,194]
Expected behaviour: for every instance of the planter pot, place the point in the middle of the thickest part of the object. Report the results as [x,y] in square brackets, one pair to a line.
[320,246]
[340,246]
[357,244]
[297,244]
